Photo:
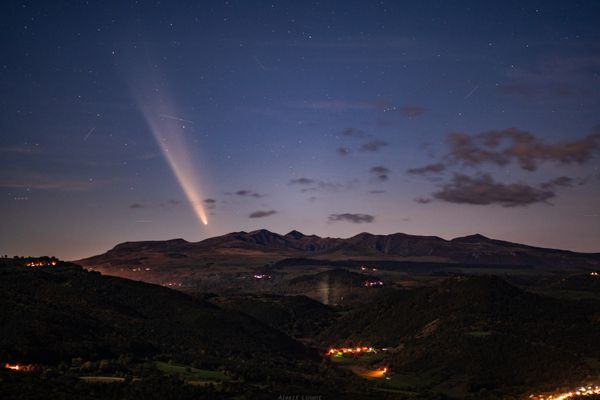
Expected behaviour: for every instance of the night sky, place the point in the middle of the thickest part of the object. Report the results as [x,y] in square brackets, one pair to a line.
[127,120]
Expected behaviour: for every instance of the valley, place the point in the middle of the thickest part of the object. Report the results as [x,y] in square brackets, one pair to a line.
[385,325]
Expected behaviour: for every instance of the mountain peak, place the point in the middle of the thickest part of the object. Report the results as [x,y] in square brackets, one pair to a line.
[295,235]
[472,238]
[262,232]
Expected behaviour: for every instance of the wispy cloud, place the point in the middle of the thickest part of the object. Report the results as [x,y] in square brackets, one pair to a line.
[353,133]
[381,173]
[412,111]
[373,145]
[20,149]
[249,193]
[557,75]
[353,218]
[262,214]
[343,151]
[503,146]
[484,190]
[210,204]
[46,181]
[423,200]
[430,168]
[315,185]
[302,181]
[339,106]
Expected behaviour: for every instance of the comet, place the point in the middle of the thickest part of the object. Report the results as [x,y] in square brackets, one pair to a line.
[169,135]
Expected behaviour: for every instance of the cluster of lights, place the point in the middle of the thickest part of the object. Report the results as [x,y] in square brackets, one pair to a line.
[378,373]
[172,284]
[582,391]
[374,373]
[349,350]
[38,264]
[18,367]
[373,284]
[594,274]
[262,276]
[366,268]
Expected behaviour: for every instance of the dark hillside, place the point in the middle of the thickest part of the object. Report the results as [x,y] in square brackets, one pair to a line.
[478,332]
[57,313]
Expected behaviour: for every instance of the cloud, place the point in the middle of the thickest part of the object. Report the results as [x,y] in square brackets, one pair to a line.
[262,214]
[504,146]
[373,145]
[376,191]
[559,76]
[382,173]
[411,111]
[430,168]
[339,106]
[483,190]
[501,148]
[353,218]
[560,181]
[343,151]
[302,181]
[210,203]
[249,193]
[316,185]
[136,205]
[463,148]
[20,149]
[353,133]
[423,200]
[518,89]
[169,203]
[47,181]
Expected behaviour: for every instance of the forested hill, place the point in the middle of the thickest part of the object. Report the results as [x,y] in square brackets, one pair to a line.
[55,313]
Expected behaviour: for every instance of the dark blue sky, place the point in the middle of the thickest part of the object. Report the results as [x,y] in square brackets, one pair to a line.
[441,118]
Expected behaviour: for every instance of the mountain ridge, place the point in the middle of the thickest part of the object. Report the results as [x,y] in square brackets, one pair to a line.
[261,247]
[297,235]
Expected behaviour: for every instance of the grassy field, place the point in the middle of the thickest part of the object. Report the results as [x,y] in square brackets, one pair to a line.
[404,384]
[192,375]
[101,379]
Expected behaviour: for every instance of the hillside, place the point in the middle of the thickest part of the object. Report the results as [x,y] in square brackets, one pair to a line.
[474,333]
[297,316]
[52,314]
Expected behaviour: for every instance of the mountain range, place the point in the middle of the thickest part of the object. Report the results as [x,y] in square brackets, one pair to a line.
[260,247]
